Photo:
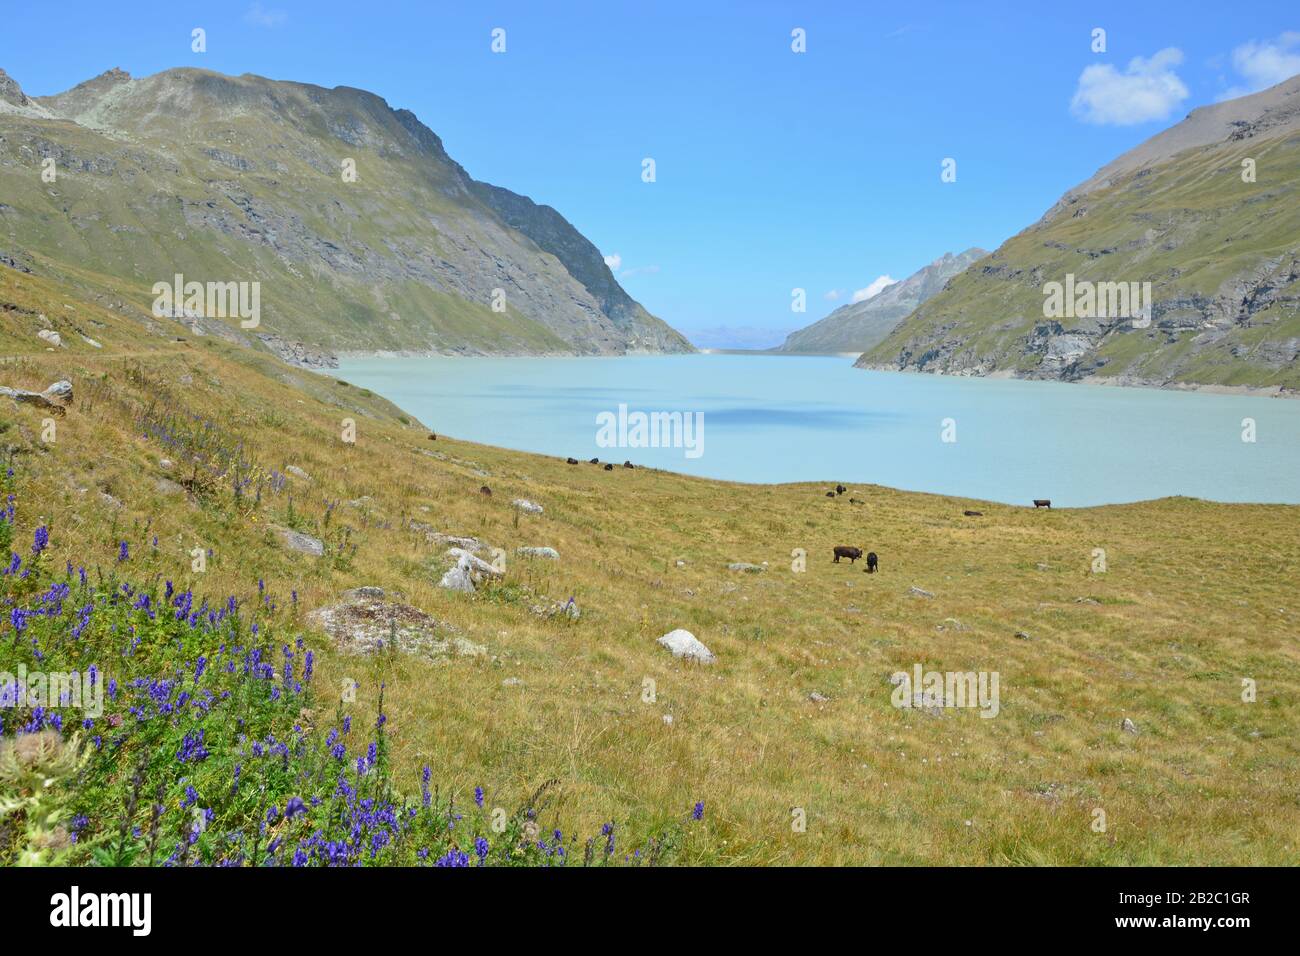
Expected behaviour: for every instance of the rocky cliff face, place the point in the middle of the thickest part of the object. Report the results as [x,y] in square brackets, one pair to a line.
[363,233]
[858,326]
[1207,212]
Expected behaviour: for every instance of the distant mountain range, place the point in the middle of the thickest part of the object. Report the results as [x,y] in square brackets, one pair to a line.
[1207,212]
[858,326]
[227,179]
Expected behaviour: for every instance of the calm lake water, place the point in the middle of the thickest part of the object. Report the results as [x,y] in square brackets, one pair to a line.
[779,419]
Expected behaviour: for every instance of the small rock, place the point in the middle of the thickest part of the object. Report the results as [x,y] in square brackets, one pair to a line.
[91,342]
[668,720]
[297,472]
[743,566]
[364,593]
[1023,635]
[549,553]
[683,644]
[165,464]
[919,592]
[817,698]
[304,543]
[1128,726]
[49,335]
[512,682]
[526,506]
[166,486]
[680,563]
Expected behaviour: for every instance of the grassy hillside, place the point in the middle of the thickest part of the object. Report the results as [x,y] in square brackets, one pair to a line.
[1196,597]
[1222,256]
[227,179]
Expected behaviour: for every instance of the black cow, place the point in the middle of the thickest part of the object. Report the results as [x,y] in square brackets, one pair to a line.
[830,494]
[1043,503]
[973,514]
[840,489]
[571,461]
[595,461]
[609,467]
[485,491]
[844,551]
[871,562]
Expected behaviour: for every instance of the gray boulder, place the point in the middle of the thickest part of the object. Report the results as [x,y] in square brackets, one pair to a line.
[683,644]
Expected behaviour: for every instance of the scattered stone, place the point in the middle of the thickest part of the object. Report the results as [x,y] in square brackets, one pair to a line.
[297,472]
[512,682]
[49,335]
[1086,600]
[526,506]
[53,398]
[304,543]
[109,500]
[668,720]
[683,644]
[168,487]
[817,698]
[165,464]
[951,623]
[680,563]
[469,571]
[1128,726]
[549,553]
[747,568]
[855,501]
[1043,567]
[367,625]
[567,609]
[91,342]
[1023,635]
[363,593]
[919,592]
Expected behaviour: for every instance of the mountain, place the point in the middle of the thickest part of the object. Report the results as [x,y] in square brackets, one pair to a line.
[1222,256]
[242,179]
[858,326]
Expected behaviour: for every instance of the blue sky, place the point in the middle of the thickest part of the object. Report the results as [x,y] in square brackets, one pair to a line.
[774,169]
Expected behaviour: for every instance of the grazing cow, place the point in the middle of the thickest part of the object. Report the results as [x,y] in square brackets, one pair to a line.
[872,562]
[628,464]
[840,489]
[1043,503]
[595,461]
[844,551]
[486,491]
[432,437]
[973,514]
[609,467]
[830,494]
[855,501]
[571,461]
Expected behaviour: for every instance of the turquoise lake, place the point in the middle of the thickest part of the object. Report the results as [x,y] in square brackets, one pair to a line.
[780,419]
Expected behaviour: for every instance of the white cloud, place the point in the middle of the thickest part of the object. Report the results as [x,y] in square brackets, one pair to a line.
[861,295]
[1148,89]
[615,262]
[1265,64]
[262,17]
[638,271]
[832,295]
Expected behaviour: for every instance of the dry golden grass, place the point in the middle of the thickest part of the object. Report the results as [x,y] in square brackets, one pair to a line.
[1196,597]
